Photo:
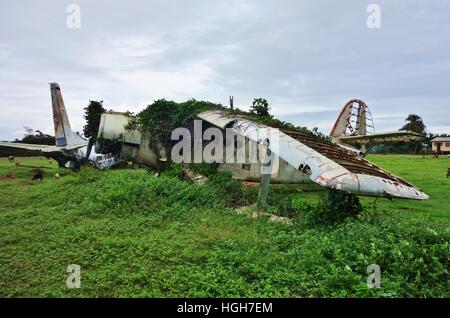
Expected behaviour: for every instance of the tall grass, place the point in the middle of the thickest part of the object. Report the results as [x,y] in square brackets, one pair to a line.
[137,235]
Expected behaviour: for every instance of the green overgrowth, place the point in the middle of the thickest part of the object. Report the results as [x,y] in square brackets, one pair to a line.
[162,117]
[138,235]
[335,207]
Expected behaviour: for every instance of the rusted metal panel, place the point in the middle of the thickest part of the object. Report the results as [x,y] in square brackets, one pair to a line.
[151,152]
[64,136]
[353,120]
[326,163]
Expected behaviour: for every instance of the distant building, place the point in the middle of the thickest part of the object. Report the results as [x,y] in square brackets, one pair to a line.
[441,145]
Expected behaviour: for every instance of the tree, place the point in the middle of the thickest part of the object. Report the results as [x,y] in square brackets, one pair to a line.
[415,124]
[38,139]
[39,133]
[260,107]
[28,131]
[92,113]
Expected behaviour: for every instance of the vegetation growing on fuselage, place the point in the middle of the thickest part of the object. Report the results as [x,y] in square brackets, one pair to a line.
[162,116]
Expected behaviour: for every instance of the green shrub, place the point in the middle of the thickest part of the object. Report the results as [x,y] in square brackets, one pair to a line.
[162,117]
[205,169]
[226,186]
[174,171]
[334,208]
[136,235]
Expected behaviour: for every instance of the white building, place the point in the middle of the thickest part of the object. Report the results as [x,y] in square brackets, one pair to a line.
[441,144]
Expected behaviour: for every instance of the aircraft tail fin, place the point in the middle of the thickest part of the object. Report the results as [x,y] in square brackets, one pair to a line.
[355,119]
[64,136]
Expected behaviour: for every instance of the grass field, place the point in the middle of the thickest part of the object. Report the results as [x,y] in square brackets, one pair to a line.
[135,235]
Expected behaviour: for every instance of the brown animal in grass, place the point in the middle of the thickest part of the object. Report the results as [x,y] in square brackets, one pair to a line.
[11,158]
[56,176]
[17,164]
[8,176]
[38,174]
[448,172]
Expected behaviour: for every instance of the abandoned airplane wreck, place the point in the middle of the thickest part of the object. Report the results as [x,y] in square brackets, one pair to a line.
[275,152]
[300,157]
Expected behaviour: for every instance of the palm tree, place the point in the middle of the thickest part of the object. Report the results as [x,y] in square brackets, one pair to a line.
[415,124]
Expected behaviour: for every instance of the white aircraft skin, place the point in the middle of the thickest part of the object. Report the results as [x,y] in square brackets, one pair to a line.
[322,170]
[68,145]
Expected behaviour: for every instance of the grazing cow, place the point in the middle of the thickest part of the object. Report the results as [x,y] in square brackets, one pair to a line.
[38,174]
[11,158]
[448,172]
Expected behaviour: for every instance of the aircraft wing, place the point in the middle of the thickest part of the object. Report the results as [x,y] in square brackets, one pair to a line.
[387,137]
[325,163]
[77,146]
[42,148]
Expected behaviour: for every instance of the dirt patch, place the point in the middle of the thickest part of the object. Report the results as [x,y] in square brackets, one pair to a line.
[188,174]
[9,176]
[255,214]
[249,184]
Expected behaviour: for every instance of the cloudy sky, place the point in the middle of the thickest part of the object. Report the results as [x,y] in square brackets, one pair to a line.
[306,57]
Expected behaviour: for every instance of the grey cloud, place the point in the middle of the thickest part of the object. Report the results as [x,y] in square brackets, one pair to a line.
[307,57]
